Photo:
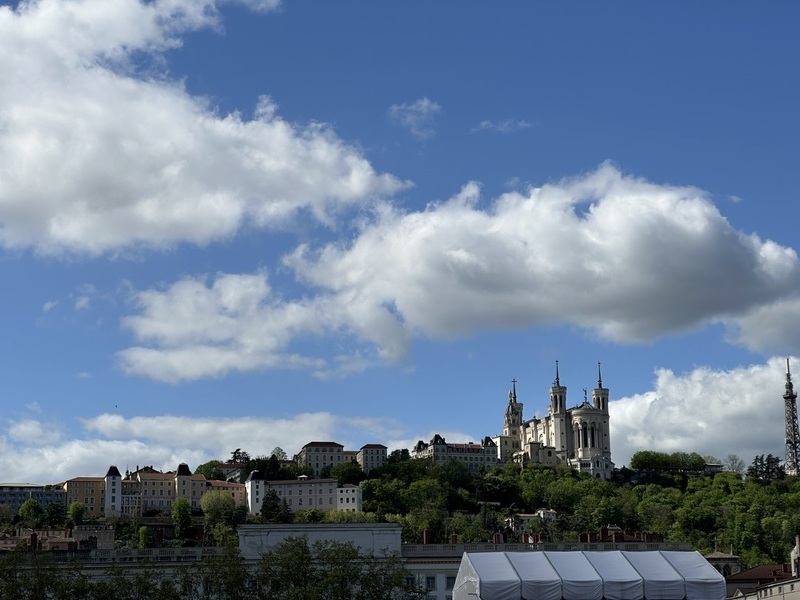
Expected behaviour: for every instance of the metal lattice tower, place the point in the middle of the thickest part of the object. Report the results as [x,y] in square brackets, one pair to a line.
[792,434]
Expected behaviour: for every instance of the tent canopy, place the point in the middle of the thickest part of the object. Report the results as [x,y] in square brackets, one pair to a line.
[587,575]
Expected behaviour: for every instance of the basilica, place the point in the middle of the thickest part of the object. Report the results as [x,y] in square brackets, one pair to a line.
[576,437]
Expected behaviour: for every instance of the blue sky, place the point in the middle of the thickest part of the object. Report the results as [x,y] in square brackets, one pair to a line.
[259,223]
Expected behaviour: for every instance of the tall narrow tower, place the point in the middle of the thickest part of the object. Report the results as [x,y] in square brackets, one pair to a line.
[792,435]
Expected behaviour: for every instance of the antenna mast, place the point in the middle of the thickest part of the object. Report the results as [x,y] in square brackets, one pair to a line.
[792,434]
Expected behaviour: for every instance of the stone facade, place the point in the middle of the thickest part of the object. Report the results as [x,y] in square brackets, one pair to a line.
[577,437]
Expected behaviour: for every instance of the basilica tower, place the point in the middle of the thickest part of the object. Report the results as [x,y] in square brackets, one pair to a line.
[558,416]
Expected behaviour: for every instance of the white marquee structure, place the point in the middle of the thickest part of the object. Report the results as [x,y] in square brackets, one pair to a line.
[587,575]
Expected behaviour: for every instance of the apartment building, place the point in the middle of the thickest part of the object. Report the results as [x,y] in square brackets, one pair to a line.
[302,493]
[318,455]
[88,490]
[472,455]
[15,494]
[349,498]
[148,490]
[371,456]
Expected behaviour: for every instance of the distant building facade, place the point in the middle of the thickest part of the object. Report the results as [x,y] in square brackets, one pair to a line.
[144,490]
[15,494]
[372,456]
[318,455]
[472,455]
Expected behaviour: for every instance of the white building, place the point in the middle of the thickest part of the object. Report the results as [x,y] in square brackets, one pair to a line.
[578,437]
[300,494]
[349,498]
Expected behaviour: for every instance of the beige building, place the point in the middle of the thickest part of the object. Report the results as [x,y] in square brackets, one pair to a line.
[88,490]
[147,490]
[371,456]
[472,455]
[318,455]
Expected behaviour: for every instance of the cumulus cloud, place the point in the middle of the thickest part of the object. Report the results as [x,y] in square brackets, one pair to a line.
[625,258]
[418,117]
[197,329]
[33,431]
[703,411]
[772,327]
[101,151]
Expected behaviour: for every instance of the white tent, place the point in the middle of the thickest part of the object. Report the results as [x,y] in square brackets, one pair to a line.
[620,579]
[579,579]
[487,575]
[539,579]
[702,580]
[587,575]
[661,580]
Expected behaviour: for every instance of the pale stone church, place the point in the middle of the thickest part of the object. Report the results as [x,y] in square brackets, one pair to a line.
[577,437]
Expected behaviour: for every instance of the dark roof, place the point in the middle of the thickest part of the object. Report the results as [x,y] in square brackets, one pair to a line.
[764,573]
[113,471]
[323,444]
[374,446]
[184,470]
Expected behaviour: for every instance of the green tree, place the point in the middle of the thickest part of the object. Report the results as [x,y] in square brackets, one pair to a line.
[181,517]
[279,453]
[330,570]
[31,513]
[75,512]
[348,473]
[6,513]
[218,507]
[211,471]
[54,515]
[274,509]
[765,469]
[383,496]
[144,537]
[239,456]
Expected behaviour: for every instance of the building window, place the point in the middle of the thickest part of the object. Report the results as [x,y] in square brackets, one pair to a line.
[430,583]
[451,582]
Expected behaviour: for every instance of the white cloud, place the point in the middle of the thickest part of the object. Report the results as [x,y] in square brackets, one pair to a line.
[82,303]
[704,411]
[30,451]
[417,117]
[631,259]
[769,328]
[628,259]
[31,431]
[505,126]
[101,153]
[200,330]
[48,306]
